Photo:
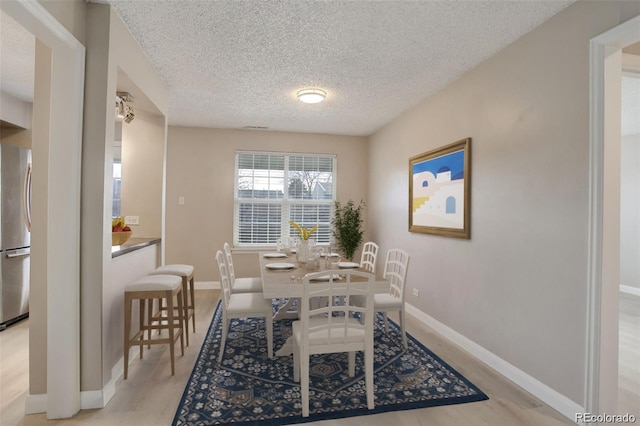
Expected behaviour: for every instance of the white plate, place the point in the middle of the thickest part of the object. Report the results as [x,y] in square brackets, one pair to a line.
[330,255]
[348,265]
[279,266]
[336,277]
[274,255]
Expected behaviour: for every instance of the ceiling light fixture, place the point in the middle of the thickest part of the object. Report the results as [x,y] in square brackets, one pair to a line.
[123,109]
[311,96]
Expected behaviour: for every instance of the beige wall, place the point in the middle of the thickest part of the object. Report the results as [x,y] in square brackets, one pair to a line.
[200,167]
[38,273]
[110,49]
[518,286]
[630,212]
[142,169]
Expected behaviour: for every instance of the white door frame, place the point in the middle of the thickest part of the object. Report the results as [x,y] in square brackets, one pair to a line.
[60,212]
[600,387]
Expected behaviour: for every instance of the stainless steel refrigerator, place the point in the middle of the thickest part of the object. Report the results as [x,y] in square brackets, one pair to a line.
[15,235]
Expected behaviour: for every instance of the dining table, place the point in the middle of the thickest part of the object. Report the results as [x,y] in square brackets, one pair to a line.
[282,278]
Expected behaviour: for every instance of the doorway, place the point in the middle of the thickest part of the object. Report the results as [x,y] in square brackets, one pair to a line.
[56,149]
[601,387]
[629,301]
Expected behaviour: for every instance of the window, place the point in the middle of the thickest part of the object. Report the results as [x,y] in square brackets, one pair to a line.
[116,188]
[272,189]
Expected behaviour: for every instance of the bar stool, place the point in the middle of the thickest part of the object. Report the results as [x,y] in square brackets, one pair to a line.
[162,287]
[186,273]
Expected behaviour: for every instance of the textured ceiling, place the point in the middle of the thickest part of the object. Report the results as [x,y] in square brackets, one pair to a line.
[232,64]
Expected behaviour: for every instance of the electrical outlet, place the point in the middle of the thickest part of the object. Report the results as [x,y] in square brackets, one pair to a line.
[132,220]
[181,200]
[416,292]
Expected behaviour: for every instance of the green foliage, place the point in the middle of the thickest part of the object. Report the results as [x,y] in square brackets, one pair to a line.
[347,227]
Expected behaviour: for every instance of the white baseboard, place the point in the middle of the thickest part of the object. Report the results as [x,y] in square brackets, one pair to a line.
[549,396]
[630,290]
[92,399]
[88,399]
[207,285]
[35,404]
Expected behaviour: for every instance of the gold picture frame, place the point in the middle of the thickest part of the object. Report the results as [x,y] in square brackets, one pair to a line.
[440,191]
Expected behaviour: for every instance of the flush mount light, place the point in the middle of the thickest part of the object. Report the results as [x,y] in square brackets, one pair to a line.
[311,96]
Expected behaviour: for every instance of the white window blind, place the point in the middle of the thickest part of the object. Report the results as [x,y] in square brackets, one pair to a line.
[272,189]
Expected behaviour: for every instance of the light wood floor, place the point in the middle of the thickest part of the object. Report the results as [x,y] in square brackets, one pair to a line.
[150,395]
[629,355]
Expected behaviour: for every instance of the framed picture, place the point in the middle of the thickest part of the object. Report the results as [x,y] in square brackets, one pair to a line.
[440,191]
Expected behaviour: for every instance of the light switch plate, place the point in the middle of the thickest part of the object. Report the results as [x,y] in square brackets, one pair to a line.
[181,200]
[132,220]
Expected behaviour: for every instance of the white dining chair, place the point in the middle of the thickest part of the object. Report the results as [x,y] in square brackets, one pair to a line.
[332,327]
[395,270]
[242,305]
[369,256]
[240,285]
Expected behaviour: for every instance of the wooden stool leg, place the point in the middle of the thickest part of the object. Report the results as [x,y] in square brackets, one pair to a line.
[185,308]
[181,321]
[171,324]
[149,322]
[192,305]
[143,304]
[127,332]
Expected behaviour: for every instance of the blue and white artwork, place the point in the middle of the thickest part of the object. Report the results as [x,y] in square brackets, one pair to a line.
[438,191]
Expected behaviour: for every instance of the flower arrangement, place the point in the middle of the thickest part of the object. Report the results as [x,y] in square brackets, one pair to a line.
[305,233]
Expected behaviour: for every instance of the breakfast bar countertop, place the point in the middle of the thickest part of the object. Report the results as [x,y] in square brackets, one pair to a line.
[133,244]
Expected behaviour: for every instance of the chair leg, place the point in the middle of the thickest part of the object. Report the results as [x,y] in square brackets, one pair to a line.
[386,323]
[352,363]
[296,361]
[225,325]
[304,383]
[269,324]
[403,328]
[368,376]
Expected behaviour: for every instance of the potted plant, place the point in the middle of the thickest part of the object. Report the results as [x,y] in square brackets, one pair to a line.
[347,227]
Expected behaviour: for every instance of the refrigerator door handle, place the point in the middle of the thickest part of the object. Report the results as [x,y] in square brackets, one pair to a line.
[20,253]
[26,197]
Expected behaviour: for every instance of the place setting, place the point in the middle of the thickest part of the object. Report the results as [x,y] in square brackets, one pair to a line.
[280,266]
[274,255]
[348,265]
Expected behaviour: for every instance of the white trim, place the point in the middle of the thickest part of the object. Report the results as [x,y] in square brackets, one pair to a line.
[630,290]
[207,285]
[92,399]
[549,396]
[630,64]
[35,404]
[594,255]
[89,400]
[616,38]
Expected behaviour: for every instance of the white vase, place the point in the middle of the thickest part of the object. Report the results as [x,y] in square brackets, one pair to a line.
[303,252]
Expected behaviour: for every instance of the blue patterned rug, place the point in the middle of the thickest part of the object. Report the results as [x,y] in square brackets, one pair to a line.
[247,387]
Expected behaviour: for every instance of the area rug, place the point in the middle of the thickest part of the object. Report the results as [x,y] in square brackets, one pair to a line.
[247,387]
